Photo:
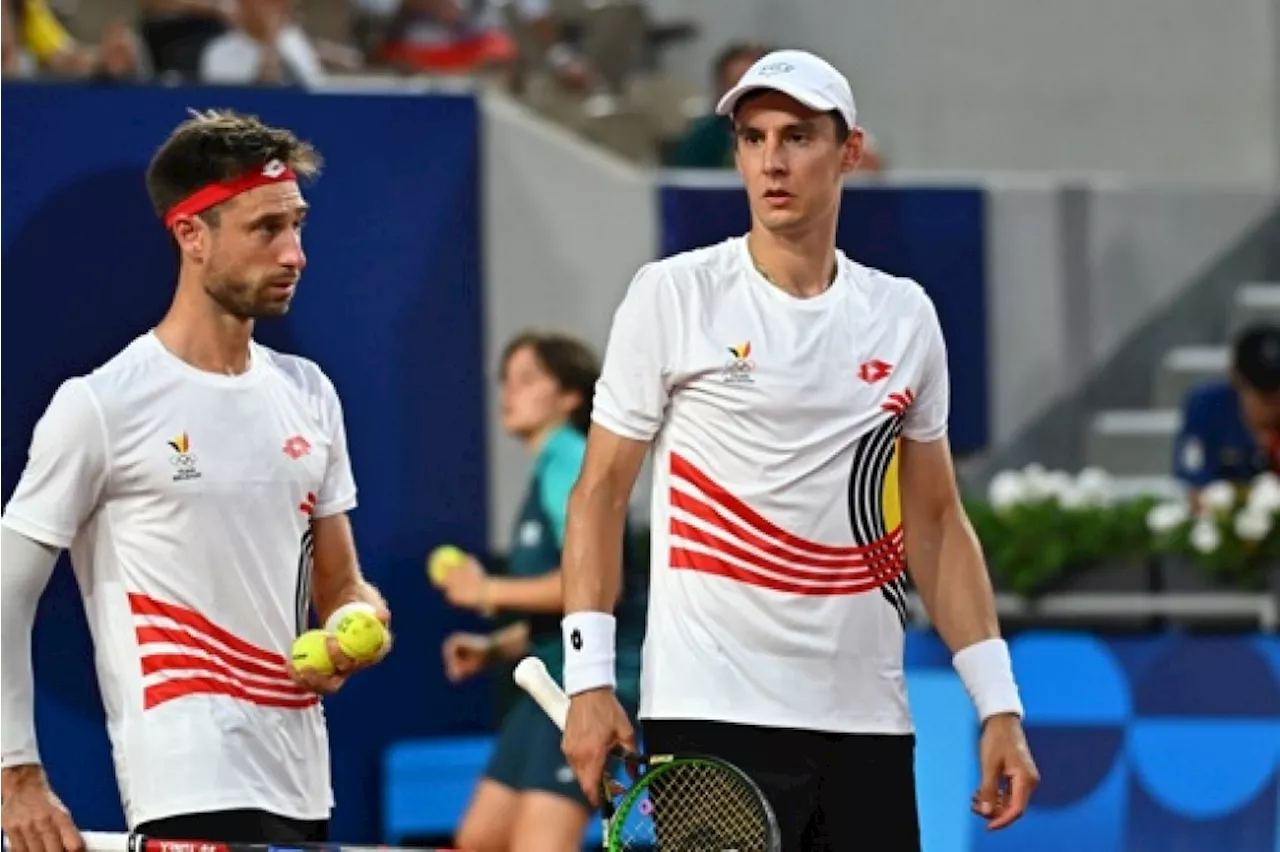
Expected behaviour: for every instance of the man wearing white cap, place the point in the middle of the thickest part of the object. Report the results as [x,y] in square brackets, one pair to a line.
[796,403]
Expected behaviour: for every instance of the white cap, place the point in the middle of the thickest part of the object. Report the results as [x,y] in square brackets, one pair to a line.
[809,79]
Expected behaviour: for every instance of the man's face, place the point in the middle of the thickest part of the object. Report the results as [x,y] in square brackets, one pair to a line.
[791,161]
[255,256]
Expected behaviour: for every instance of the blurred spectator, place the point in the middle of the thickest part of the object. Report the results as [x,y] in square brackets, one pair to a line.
[439,36]
[35,41]
[1231,427]
[468,36]
[266,46]
[176,32]
[708,142]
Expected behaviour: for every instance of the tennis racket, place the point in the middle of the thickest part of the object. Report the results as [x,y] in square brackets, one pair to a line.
[669,803]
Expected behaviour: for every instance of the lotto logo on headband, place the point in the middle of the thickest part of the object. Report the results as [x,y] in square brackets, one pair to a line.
[273,171]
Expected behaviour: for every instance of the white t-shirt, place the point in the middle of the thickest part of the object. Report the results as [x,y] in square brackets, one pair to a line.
[235,58]
[186,499]
[777,594]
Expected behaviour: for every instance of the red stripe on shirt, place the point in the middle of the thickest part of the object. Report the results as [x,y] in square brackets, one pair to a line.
[868,574]
[685,470]
[252,674]
[170,690]
[711,564]
[144,605]
[860,557]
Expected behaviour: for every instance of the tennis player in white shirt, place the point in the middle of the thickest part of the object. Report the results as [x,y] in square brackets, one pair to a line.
[201,482]
[796,403]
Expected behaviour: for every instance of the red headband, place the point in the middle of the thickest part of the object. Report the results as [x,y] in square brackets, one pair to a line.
[215,193]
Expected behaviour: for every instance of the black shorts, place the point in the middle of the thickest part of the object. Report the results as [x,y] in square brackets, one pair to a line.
[838,792]
[237,826]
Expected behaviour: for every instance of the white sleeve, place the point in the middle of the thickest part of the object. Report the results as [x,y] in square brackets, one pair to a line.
[338,491]
[27,567]
[67,468]
[636,377]
[225,60]
[927,416]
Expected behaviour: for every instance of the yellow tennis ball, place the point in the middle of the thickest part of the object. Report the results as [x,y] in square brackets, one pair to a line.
[360,635]
[310,652]
[442,561]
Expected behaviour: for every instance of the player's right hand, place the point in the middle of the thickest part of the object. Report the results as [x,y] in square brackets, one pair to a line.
[596,724]
[33,818]
[466,655]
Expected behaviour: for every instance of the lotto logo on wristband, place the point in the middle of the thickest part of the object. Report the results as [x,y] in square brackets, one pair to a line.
[575,639]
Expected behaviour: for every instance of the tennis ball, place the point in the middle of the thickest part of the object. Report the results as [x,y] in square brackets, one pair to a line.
[442,561]
[360,635]
[331,625]
[310,652]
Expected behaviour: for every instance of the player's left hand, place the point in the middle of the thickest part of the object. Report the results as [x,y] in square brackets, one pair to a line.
[1009,774]
[343,666]
[463,586]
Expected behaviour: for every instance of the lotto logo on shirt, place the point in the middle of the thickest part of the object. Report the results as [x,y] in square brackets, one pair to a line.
[739,370]
[183,459]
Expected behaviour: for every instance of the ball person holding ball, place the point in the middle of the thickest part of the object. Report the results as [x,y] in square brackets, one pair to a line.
[528,793]
[796,402]
[201,482]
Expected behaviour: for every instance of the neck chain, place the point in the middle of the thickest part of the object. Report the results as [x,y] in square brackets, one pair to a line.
[835,268]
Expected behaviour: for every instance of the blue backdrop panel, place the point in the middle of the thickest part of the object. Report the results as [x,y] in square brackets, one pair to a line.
[936,236]
[1144,745]
[390,308]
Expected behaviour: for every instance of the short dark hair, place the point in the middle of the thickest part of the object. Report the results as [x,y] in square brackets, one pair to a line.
[218,145]
[568,360]
[1255,358]
[842,127]
[732,51]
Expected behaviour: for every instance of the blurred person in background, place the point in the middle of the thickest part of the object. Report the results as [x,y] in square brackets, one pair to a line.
[528,798]
[466,37]
[176,32]
[269,47]
[708,141]
[35,41]
[1231,427]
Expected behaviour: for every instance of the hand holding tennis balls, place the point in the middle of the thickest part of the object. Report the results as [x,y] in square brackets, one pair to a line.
[354,637]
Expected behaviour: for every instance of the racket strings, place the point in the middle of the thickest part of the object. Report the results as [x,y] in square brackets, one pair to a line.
[697,807]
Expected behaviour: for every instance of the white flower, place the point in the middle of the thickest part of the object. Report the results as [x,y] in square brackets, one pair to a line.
[1264,493]
[1097,486]
[1073,497]
[1167,516]
[1057,483]
[1218,497]
[1253,524]
[1035,480]
[1007,489]
[1205,536]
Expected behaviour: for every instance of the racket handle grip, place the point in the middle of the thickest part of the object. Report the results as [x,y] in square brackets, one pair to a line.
[532,676]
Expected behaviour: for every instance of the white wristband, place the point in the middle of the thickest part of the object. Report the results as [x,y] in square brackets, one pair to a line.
[589,639]
[987,673]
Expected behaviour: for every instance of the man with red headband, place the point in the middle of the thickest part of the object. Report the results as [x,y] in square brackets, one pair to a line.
[201,482]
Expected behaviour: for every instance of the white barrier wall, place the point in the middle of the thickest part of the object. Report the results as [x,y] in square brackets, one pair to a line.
[565,229]
[1074,265]
[1170,89]
[1087,265]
